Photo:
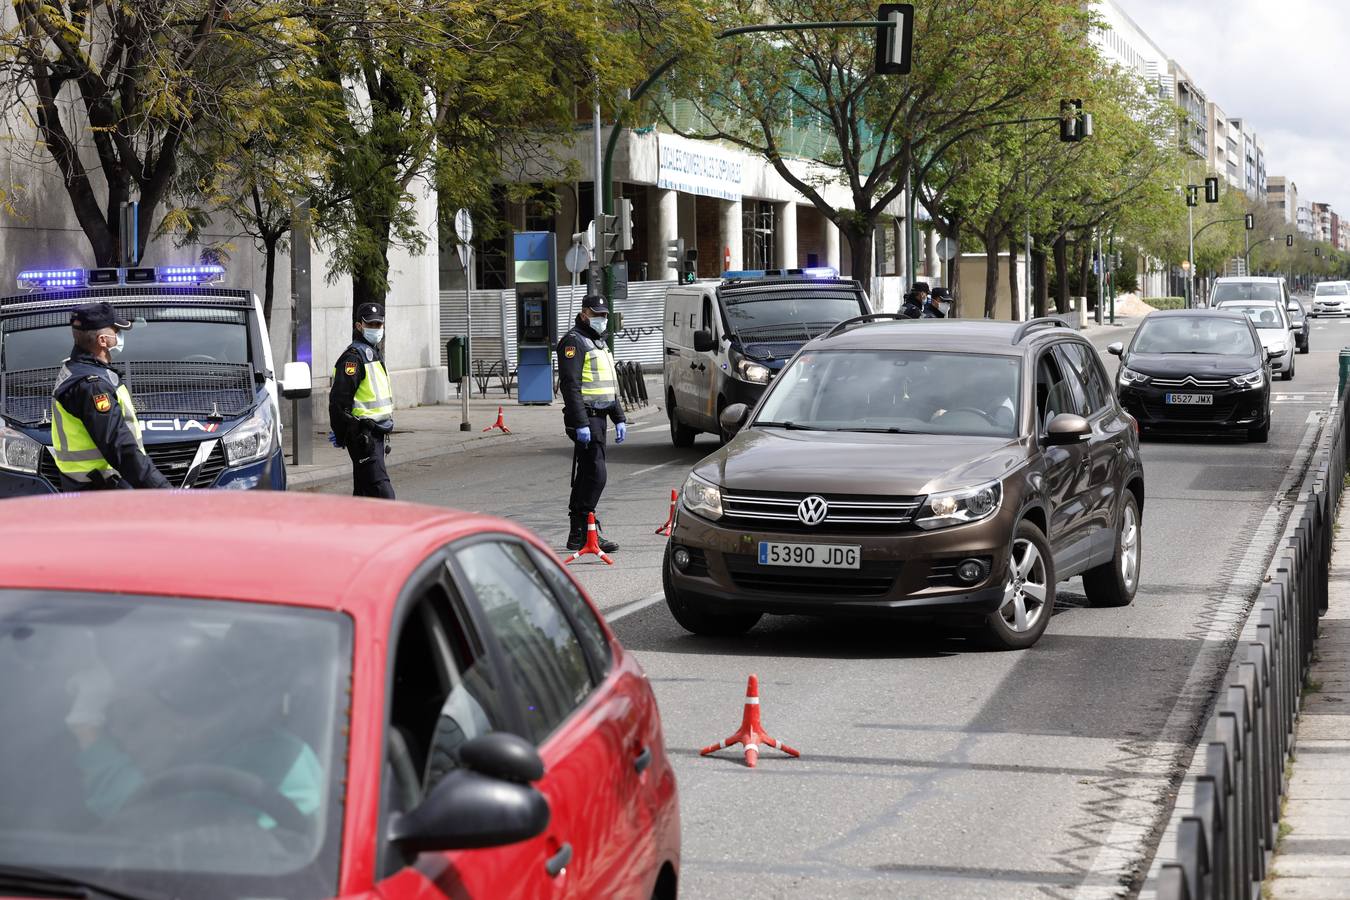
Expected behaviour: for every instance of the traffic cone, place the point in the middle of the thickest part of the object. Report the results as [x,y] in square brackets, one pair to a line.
[670,519]
[500,423]
[592,545]
[751,732]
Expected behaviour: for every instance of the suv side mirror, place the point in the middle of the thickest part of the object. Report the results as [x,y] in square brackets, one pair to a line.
[487,803]
[1116,349]
[296,381]
[733,417]
[1066,428]
[704,342]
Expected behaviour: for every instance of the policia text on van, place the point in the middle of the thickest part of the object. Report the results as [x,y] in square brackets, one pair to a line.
[725,342]
[198,367]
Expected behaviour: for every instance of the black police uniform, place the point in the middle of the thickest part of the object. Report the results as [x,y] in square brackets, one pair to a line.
[366,441]
[931,309]
[87,389]
[90,394]
[588,460]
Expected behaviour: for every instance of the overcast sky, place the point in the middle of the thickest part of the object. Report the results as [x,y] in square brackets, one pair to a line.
[1279,64]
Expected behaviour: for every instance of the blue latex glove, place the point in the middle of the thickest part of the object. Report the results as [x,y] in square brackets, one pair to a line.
[584,435]
[332,439]
[620,432]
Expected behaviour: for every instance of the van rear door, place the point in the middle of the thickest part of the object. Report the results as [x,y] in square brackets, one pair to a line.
[679,359]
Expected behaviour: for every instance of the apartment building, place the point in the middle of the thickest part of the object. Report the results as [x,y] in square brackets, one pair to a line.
[1282,196]
[1304,221]
[1193,135]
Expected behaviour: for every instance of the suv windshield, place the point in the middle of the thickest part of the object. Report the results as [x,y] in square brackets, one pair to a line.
[902,391]
[190,748]
[1333,290]
[1263,315]
[1194,334]
[1246,290]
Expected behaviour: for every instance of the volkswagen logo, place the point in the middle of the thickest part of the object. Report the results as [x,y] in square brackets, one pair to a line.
[812,510]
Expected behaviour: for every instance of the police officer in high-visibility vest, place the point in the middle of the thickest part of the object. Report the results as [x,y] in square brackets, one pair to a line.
[96,437]
[361,405]
[590,391]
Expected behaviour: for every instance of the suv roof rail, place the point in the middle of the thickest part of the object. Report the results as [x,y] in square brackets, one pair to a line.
[1033,324]
[859,320]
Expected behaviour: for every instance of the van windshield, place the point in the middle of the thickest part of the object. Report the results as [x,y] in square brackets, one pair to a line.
[158,334]
[788,317]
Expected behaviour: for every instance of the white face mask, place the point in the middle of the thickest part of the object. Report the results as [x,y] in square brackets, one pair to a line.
[945,307]
[372,335]
[599,324]
[121,342]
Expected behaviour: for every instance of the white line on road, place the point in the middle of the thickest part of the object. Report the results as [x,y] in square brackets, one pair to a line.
[635,606]
[654,468]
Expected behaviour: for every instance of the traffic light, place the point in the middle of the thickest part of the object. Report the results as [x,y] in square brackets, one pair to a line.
[1192,195]
[1074,124]
[606,239]
[1250,221]
[623,213]
[1289,240]
[1212,189]
[689,273]
[683,261]
[895,40]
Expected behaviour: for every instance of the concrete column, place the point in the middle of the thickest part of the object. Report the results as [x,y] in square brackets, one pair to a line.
[664,225]
[785,242]
[832,245]
[731,235]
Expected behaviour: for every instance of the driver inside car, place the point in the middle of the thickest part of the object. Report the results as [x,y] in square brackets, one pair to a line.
[217,703]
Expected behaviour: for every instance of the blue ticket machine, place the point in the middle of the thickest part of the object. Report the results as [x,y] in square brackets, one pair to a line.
[536,265]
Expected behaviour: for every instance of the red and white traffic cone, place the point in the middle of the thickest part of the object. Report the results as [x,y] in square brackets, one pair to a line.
[670,519]
[592,545]
[751,732]
[499,424]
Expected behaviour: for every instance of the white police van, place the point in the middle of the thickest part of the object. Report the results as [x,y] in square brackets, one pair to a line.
[725,341]
[198,363]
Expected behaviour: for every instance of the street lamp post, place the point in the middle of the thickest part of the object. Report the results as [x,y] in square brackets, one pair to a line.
[1190,259]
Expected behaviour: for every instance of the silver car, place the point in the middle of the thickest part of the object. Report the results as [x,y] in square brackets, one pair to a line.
[1332,298]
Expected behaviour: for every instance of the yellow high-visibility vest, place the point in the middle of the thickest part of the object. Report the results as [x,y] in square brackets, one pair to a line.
[598,384]
[73,448]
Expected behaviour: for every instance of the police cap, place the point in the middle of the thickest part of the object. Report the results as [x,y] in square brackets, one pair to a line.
[941,293]
[96,317]
[595,303]
[370,312]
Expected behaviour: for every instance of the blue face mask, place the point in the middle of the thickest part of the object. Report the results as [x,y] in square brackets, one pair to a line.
[372,335]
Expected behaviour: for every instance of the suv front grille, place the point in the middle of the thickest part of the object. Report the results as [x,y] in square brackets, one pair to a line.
[873,579]
[173,461]
[844,513]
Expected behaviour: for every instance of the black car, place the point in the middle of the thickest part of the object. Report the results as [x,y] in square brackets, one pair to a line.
[1302,327]
[1196,370]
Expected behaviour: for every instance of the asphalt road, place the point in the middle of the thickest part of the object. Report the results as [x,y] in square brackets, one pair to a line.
[930,768]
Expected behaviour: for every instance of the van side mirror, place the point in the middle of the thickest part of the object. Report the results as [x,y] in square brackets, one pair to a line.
[296,381]
[487,802]
[1066,428]
[733,417]
[704,342]
[1116,349]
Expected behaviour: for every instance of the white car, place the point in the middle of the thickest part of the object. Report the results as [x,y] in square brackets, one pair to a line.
[1274,330]
[1332,298]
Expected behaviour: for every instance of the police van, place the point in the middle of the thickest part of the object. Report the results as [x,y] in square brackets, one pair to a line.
[724,342]
[198,363]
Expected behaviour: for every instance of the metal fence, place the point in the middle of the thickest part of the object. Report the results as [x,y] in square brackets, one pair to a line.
[1225,840]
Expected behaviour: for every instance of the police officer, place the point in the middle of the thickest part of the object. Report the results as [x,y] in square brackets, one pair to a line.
[915,300]
[361,405]
[96,437]
[589,388]
[939,302]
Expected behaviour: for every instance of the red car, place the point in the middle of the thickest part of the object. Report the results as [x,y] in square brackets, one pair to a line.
[216,695]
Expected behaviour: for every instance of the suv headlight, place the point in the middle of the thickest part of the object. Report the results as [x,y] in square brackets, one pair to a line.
[18,452]
[753,372]
[1129,376]
[960,507]
[1250,380]
[702,497]
[251,440]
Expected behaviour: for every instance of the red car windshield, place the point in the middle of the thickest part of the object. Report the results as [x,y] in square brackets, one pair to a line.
[173,747]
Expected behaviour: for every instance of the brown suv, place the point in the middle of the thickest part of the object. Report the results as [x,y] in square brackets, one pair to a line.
[931,468]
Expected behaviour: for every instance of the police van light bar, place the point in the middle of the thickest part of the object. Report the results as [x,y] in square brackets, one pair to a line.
[820,272]
[46,279]
[809,272]
[206,274]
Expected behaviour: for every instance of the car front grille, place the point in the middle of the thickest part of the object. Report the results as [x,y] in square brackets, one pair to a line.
[1190,381]
[1221,411]
[845,513]
[873,579]
[173,461]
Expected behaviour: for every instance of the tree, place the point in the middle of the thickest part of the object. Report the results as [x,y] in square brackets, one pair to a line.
[973,60]
[147,78]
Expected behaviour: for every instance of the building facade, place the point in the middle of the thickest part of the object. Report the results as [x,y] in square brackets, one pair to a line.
[1304,222]
[1282,196]
[1253,161]
[1193,135]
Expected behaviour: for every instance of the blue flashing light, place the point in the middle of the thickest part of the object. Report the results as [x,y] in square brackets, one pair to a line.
[731,274]
[820,272]
[46,279]
[204,274]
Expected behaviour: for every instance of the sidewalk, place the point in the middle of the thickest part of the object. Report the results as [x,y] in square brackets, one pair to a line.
[430,432]
[1312,859]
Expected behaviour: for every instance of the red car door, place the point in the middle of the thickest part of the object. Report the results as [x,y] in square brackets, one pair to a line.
[585,722]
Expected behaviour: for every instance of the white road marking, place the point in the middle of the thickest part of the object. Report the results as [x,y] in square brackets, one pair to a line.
[635,606]
[673,462]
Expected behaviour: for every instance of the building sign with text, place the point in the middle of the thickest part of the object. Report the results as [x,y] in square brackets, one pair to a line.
[698,167]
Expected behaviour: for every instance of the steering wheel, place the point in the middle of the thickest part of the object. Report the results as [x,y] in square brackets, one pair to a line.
[192,778]
[979,412]
[200,357]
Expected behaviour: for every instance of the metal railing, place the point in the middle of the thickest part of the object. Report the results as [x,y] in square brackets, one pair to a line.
[1225,840]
